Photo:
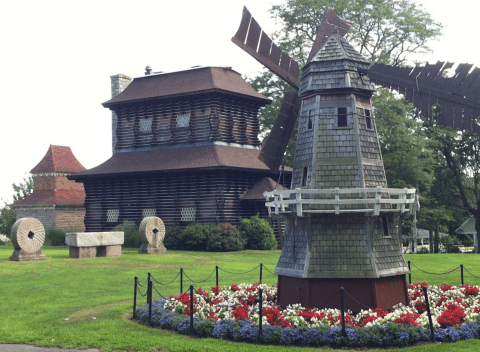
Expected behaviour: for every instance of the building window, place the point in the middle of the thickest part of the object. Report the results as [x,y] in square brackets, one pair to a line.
[112,215]
[304,176]
[146,124]
[188,214]
[386,233]
[310,120]
[183,120]
[146,213]
[368,120]
[342,117]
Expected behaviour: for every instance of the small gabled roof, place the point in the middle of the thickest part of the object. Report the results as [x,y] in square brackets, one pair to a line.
[265,184]
[198,80]
[468,227]
[58,159]
[337,48]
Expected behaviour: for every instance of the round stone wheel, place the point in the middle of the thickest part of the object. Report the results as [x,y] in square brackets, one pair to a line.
[152,230]
[28,234]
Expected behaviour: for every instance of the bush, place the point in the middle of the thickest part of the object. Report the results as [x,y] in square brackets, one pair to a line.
[55,236]
[173,237]
[258,233]
[194,237]
[423,250]
[225,238]
[131,234]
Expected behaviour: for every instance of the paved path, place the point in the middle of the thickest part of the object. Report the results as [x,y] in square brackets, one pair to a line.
[28,348]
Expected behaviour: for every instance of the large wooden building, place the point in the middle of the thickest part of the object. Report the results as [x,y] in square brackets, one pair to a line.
[185,148]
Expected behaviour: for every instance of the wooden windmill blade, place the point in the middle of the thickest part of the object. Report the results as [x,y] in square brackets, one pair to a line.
[424,86]
[254,41]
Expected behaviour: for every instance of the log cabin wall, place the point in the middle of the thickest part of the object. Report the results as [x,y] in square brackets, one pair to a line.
[178,198]
[187,120]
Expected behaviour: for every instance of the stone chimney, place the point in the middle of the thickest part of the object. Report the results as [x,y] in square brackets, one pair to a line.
[118,82]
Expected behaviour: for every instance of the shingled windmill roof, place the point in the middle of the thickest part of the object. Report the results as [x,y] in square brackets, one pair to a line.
[337,48]
[58,159]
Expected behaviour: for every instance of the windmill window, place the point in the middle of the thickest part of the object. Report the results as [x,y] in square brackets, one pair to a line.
[146,213]
[112,215]
[342,117]
[183,120]
[304,176]
[188,214]
[384,221]
[146,124]
[368,120]
[310,120]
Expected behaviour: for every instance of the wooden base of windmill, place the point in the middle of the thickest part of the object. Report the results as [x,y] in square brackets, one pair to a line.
[372,293]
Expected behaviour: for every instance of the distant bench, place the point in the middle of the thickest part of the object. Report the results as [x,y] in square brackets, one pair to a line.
[94,244]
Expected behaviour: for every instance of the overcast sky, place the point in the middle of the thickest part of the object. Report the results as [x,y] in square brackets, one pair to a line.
[58,56]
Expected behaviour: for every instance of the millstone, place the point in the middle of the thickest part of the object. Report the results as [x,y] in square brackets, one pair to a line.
[152,230]
[28,235]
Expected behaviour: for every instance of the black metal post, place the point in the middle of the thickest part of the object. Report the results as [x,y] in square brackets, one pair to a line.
[150,284]
[261,271]
[432,333]
[191,309]
[461,272]
[181,280]
[149,292]
[409,273]
[260,313]
[135,295]
[342,307]
[216,275]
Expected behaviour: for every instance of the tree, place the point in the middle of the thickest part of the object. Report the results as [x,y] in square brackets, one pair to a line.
[23,189]
[7,214]
[461,154]
[383,30]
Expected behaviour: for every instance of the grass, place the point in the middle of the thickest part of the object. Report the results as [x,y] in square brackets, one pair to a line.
[87,303]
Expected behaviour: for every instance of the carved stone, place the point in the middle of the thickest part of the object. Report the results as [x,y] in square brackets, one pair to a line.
[152,233]
[28,236]
[94,244]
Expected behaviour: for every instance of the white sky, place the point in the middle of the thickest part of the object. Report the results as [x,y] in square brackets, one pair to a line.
[58,56]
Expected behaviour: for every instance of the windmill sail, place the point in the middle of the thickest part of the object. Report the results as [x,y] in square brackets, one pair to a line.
[277,141]
[248,37]
[424,86]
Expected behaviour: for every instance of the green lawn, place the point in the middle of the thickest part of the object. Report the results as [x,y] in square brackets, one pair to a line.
[87,303]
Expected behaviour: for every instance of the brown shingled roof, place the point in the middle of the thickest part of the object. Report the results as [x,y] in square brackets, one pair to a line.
[50,197]
[186,82]
[199,157]
[58,159]
[265,184]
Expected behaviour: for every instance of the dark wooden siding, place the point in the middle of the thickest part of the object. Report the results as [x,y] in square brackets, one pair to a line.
[215,195]
[213,117]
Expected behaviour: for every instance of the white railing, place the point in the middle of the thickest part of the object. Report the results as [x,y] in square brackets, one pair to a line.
[340,200]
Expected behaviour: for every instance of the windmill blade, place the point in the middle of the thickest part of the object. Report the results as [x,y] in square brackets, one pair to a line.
[248,37]
[424,86]
[277,141]
[330,20]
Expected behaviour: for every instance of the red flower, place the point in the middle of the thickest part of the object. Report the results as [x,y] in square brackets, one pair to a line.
[470,290]
[200,291]
[216,290]
[451,317]
[184,298]
[445,287]
[240,313]
[407,318]
[234,288]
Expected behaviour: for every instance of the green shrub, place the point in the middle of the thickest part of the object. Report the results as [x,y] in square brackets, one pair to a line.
[55,236]
[423,250]
[258,233]
[194,237]
[173,237]
[131,234]
[204,327]
[225,238]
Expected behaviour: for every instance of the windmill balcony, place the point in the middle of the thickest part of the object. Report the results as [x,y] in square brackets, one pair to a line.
[371,201]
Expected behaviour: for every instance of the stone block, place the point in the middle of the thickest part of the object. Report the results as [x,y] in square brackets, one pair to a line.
[94,239]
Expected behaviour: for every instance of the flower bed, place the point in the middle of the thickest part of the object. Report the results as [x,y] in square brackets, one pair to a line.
[233,313]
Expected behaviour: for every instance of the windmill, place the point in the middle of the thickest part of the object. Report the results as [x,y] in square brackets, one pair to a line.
[342,221]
